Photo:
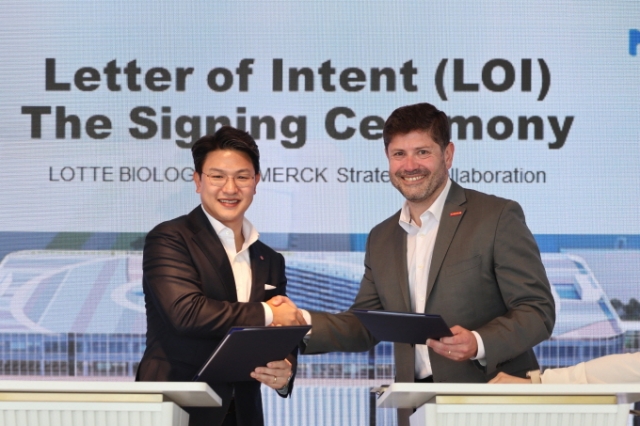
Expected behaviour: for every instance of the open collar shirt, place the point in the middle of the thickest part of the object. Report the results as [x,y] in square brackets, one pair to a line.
[240,260]
[420,243]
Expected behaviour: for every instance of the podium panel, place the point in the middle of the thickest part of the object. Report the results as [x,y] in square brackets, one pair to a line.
[92,414]
[497,413]
[506,405]
[78,403]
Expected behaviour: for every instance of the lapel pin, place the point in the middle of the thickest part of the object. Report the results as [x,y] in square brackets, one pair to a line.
[458,213]
[261,258]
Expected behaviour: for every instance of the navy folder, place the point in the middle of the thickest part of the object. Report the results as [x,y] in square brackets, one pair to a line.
[245,348]
[403,327]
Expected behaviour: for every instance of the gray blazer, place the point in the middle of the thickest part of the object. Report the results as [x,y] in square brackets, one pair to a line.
[486,275]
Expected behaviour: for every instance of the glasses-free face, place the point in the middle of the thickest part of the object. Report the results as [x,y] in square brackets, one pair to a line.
[418,167]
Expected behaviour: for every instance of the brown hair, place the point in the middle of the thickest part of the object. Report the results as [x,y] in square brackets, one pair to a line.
[422,117]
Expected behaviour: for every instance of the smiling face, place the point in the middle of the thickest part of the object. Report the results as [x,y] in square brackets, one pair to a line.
[226,203]
[418,168]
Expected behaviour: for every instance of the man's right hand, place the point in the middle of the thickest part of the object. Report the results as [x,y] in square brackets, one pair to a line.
[285,312]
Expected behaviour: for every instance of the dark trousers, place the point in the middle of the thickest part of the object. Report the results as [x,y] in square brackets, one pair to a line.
[202,416]
[230,418]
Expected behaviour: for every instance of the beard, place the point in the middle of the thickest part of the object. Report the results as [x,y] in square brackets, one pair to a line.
[418,193]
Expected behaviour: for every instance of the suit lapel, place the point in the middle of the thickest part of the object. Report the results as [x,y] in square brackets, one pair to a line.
[399,239]
[210,244]
[259,272]
[452,214]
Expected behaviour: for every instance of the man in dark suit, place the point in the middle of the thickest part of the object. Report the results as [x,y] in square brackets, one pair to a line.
[206,272]
[451,251]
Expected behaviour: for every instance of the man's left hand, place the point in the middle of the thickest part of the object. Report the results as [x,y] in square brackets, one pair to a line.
[459,347]
[275,375]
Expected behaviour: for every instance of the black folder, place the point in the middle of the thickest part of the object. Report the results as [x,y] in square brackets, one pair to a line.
[245,348]
[403,327]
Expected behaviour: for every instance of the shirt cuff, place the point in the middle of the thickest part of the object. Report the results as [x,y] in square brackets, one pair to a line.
[268,314]
[534,375]
[284,391]
[481,355]
[307,317]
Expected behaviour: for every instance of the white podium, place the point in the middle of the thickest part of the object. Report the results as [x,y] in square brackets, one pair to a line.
[79,403]
[464,404]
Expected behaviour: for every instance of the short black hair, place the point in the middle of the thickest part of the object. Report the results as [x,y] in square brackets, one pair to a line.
[421,117]
[226,137]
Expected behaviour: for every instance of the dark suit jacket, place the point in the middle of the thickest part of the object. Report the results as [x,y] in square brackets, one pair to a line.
[191,303]
[486,275]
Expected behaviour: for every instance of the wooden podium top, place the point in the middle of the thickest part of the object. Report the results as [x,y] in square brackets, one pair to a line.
[414,395]
[185,394]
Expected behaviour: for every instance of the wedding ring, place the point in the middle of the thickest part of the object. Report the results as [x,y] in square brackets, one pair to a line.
[449,352]
[275,379]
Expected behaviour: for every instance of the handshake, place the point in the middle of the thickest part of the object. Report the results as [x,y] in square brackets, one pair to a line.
[285,312]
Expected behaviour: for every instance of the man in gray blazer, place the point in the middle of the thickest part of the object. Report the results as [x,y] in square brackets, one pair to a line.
[451,251]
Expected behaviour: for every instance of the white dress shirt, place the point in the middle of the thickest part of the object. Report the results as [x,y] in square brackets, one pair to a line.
[420,244]
[240,261]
